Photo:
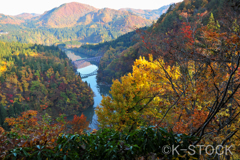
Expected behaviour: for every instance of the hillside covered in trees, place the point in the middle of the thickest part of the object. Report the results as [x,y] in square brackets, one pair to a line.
[119,54]
[70,22]
[176,94]
[36,77]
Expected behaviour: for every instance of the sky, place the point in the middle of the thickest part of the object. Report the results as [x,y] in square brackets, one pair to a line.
[15,7]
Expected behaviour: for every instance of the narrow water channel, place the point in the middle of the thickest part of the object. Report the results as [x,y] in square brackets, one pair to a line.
[98,90]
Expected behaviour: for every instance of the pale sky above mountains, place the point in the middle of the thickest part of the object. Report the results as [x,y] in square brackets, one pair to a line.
[14,7]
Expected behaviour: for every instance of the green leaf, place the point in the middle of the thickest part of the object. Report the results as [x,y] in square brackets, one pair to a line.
[39,156]
[25,153]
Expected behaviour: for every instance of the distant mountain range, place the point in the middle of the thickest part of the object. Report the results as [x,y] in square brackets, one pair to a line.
[148,14]
[92,24]
[72,14]
[27,16]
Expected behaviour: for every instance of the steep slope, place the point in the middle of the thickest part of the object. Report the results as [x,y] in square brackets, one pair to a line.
[148,14]
[123,21]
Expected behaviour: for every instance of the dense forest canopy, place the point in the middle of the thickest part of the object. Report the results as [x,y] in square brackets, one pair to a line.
[175,83]
[40,78]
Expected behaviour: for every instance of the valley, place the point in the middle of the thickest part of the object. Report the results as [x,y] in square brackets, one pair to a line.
[81,82]
[72,22]
[98,89]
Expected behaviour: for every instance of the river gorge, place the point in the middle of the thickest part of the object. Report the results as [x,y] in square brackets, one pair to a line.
[98,89]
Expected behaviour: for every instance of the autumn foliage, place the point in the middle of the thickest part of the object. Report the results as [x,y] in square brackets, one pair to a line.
[188,81]
[39,78]
[186,86]
[78,124]
[23,123]
[30,129]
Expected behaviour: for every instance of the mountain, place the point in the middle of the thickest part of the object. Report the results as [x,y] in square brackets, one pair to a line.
[70,22]
[148,14]
[73,14]
[66,15]
[122,21]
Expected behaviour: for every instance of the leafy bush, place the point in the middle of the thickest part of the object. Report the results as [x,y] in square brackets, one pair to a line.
[109,144]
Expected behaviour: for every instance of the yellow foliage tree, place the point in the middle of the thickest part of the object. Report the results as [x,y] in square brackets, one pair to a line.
[141,97]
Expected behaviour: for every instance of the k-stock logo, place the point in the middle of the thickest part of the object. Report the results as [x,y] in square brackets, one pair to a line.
[202,149]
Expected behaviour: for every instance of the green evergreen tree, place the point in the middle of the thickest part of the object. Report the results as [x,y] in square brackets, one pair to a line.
[1,78]
[11,112]
[17,108]
[3,114]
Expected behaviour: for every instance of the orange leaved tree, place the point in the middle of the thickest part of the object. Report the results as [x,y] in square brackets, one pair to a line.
[78,124]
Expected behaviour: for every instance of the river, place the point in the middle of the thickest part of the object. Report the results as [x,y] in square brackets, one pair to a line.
[98,90]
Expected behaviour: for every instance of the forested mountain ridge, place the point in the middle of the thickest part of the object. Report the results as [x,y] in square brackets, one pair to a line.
[70,22]
[72,14]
